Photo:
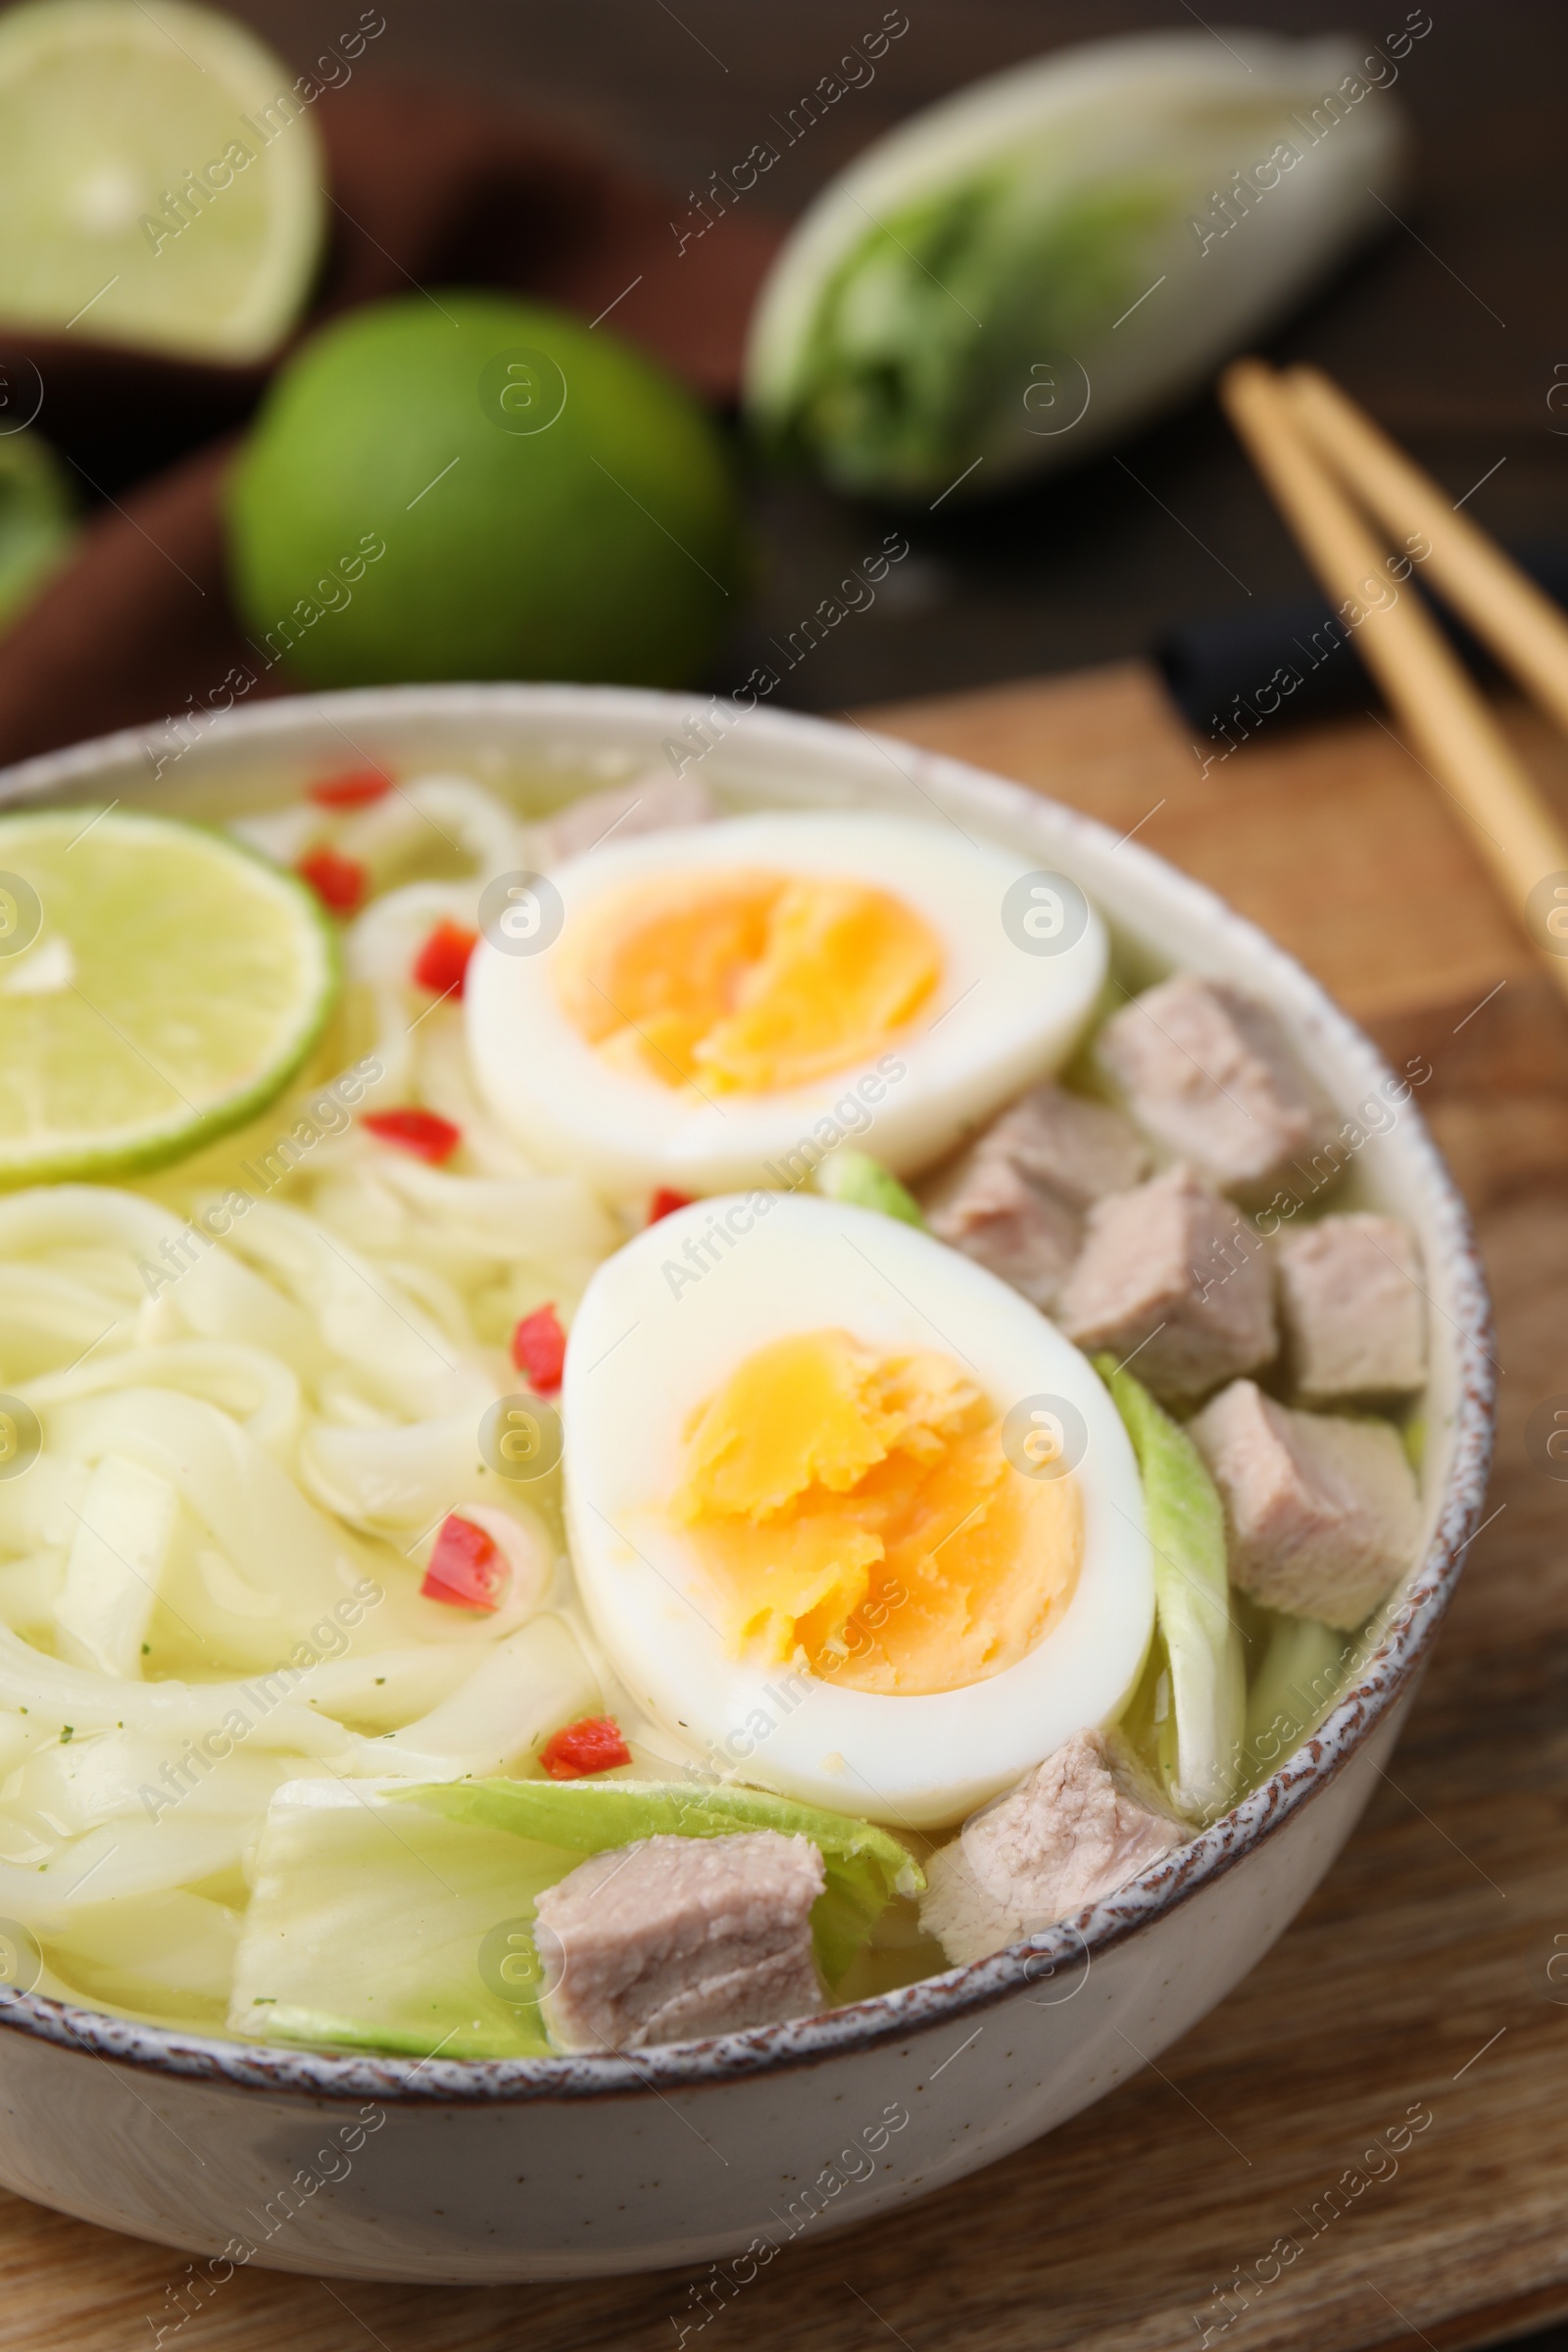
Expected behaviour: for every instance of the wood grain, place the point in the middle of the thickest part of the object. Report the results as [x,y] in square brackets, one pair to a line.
[1418,1976]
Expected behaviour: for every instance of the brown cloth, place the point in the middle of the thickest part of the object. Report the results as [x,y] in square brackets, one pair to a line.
[428,189]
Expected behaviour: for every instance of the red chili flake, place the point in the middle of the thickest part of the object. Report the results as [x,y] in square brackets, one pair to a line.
[466,1567]
[664,1203]
[443,959]
[539,1349]
[593,1745]
[340,883]
[420,1132]
[352,789]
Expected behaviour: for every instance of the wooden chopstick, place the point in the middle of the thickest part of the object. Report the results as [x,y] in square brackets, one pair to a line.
[1525,629]
[1422,679]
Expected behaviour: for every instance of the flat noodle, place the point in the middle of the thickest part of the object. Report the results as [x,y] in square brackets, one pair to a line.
[210,1579]
[257,1390]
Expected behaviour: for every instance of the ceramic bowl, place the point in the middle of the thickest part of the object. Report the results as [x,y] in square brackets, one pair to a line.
[725,2150]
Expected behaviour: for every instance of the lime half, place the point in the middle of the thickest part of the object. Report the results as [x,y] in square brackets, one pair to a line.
[159,984]
[159,178]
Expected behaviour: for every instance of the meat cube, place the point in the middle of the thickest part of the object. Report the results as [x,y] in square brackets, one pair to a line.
[1208,1073]
[650,804]
[1170,1273]
[1322,1514]
[991,1212]
[1352,1309]
[675,1937]
[1014,1199]
[1077,1828]
[1075,1148]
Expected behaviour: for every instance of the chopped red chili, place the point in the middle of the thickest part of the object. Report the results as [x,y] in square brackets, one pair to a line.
[340,883]
[593,1745]
[539,1349]
[664,1203]
[466,1567]
[352,789]
[422,1132]
[443,960]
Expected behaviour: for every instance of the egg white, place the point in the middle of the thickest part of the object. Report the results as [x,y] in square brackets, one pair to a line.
[999,1019]
[662,1325]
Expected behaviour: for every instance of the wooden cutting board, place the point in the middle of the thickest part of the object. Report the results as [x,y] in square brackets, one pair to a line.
[1422,1974]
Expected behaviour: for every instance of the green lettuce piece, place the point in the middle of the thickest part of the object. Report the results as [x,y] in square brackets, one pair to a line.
[862,1182]
[866,1866]
[1194,1739]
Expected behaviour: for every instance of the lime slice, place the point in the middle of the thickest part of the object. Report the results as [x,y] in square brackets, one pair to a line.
[158,985]
[159,178]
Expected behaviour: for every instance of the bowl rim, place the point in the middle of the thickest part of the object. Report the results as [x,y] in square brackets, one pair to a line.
[1386,1676]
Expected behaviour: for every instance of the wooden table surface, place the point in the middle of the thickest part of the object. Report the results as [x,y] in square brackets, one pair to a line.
[1423,1974]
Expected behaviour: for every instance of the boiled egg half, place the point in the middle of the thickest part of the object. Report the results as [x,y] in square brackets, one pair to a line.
[714,1006]
[806,1530]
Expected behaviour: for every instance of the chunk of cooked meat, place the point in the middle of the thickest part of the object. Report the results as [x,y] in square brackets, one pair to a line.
[675,1937]
[1352,1309]
[1077,1828]
[1170,1273]
[1078,1148]
[1322,1514]
[1208,1072]
[1013,1201]
[650,804]
[991,1212]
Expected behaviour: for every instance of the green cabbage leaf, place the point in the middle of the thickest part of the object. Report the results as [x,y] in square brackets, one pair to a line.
[1187,1717]
[398,1917]
[1045,260]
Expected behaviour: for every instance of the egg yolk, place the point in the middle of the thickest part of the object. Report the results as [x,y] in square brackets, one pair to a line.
[859,1508]
[744,982]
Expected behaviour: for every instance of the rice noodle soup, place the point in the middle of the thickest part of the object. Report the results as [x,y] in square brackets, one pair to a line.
[629,1423]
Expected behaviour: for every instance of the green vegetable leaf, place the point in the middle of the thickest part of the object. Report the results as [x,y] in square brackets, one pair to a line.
[395,1915]
[866,1866]
[1195,1737]
[862,1182]
[1298,1680]
[386,1928]
[953,298]
[1045,259]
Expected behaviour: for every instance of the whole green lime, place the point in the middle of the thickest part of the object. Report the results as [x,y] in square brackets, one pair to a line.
[472,488]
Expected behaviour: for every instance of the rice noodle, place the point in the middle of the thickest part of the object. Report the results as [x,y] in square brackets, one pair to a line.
[253,1425]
